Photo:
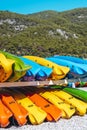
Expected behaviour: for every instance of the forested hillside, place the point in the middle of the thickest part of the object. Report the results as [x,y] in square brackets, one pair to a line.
[45,33]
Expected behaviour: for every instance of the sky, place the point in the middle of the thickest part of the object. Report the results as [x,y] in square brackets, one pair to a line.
[33,6]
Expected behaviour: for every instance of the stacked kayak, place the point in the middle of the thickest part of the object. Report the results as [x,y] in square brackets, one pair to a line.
[80,106]
[34,68]
[59,72]
[75,68]
[53,113]
[72,58]
[35,114]
[19,68]
[37,71]
[26,105]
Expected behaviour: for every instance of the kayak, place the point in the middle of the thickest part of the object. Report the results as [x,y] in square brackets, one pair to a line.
[5,68]
[81,94]
[37,72]
[19,68]
[75,68]
[36,114]
[18,111]
[53,113]
[67,109]
[78,93]
[73,59]
[34,69]
[80,106]
[5,115]
[59,72]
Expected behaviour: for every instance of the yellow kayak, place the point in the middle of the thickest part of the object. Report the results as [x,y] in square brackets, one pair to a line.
[59,72]
[67,110]
[36,114]
[5,67]
[19,68]
[81,107]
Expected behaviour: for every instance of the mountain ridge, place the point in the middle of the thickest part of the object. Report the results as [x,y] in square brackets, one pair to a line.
[44,33]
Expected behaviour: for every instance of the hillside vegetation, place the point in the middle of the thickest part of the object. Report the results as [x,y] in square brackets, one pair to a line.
[45,33]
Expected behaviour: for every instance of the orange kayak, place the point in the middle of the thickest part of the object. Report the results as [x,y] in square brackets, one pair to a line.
[5,114]
[53,113]
[18,111]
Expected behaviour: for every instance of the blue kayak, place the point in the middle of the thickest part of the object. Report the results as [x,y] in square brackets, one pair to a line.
[44,73]
[37,72]
[35,67]
[72,58]
[75,68]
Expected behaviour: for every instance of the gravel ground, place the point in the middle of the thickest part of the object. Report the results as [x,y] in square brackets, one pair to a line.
[74,123]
